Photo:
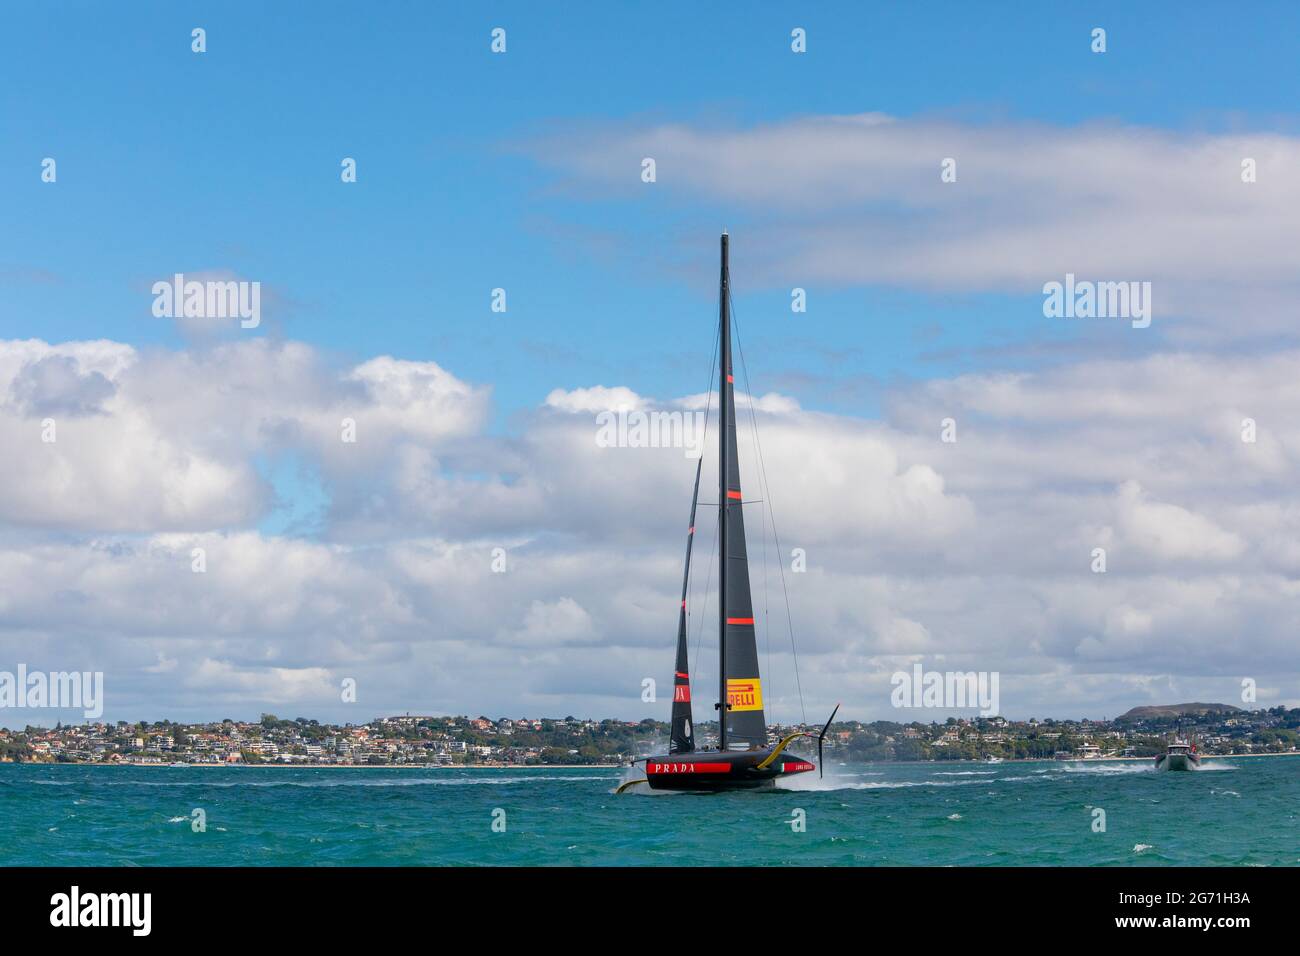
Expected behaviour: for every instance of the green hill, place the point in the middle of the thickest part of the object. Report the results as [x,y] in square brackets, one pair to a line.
[1176,710]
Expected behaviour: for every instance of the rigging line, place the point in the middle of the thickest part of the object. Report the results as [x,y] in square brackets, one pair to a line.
[767,623]
[767,626]
[708,407]
[767,631]
[708,579]
[767,493]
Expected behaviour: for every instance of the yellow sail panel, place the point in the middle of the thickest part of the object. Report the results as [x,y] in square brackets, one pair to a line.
[745,693]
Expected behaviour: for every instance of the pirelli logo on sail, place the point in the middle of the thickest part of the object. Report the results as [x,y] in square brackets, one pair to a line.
[744,693]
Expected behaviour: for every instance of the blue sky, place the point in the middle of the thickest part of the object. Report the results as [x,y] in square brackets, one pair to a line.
[229,160]
[521,171]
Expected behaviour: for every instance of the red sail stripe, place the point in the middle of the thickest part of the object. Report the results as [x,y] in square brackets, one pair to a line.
[691,530]
[740,620]
[733,494]
[682,675]
[731,379]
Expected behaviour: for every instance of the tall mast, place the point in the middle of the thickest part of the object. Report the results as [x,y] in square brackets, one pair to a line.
[724,353]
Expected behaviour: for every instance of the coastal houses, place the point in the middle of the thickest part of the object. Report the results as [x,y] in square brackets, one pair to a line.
[430,741]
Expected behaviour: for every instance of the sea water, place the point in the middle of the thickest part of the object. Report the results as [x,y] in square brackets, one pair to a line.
[1233,812]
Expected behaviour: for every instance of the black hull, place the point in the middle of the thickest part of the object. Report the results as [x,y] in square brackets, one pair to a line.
[714,771]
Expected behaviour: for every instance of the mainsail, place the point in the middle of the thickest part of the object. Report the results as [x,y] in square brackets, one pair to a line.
[682,739]
[741,690]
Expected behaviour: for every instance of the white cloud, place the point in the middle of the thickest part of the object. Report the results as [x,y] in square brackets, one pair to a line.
[554,623]
[978,551]
[1171,532]
[859,200]
[417,399]
[168,441]
[598,398]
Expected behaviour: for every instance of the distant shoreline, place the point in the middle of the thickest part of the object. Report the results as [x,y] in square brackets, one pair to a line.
[579,766]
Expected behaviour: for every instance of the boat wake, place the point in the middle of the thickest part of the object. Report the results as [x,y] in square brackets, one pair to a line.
[1107,770]
[804,784]
[635,775]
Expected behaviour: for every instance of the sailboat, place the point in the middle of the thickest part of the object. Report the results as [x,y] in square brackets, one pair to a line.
[743,760]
